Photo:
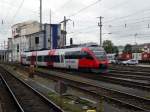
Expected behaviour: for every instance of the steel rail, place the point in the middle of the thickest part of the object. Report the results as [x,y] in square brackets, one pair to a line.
[20,109]
[87,82]
[53,107]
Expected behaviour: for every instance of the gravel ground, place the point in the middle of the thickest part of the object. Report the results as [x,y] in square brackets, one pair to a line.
[45,86]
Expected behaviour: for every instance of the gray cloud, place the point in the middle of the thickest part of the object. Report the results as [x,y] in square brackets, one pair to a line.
[86,28]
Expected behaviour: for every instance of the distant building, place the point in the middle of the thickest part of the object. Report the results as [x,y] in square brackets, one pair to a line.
[4,55]
[141,47]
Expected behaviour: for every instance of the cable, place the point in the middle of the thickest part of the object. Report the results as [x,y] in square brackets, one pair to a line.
[84,8]
[126,25]
[132,14]
[148,17]
[120,4]
[62,6]
[17,11]
[82,32]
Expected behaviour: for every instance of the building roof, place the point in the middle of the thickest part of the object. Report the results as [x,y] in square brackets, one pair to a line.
[24,23]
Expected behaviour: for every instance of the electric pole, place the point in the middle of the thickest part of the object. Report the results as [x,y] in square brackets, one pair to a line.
[100,27]
[64,28]
[50,22]
[40,14]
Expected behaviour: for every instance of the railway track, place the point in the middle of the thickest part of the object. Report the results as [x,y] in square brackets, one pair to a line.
[27,98]
[130,68]
[112,78]
[93,87]
[135,73]
[130,75]
[121,81]
[7,103]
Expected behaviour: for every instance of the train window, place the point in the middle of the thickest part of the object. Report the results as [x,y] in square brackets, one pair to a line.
[40,58]
[86,55]
[28,58]
[54,58]
[73,55]
[83,54]
[46,58]
[67,55]
[99,53]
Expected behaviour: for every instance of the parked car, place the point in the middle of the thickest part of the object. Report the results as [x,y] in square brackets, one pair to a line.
[112,61]
[119,62]
[130,62]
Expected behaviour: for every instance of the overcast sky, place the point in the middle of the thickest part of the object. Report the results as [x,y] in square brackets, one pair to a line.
[125,21]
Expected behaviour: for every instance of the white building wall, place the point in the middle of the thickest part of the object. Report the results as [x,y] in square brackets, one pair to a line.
[21,39]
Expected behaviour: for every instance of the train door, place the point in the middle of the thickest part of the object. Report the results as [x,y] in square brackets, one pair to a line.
[33,58]
[71,59]
[60,62]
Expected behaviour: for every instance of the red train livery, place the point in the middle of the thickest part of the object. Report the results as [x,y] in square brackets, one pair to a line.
[91,58]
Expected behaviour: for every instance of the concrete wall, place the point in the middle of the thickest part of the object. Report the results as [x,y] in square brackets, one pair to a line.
[30,28]
[32,44]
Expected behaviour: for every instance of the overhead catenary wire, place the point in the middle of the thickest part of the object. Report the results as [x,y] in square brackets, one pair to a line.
[62,6]
[127,16]
[128,26]
[17,11]
[81,10]
[7,25]
[93,25]
[119,4]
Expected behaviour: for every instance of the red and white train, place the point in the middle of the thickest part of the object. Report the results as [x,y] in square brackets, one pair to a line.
[92,58]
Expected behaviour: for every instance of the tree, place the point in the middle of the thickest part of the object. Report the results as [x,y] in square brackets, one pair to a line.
[109,47]
[115,49]
[127,48]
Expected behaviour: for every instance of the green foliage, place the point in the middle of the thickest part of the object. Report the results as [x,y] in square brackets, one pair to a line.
[127,48]
[109,47]
[115,49]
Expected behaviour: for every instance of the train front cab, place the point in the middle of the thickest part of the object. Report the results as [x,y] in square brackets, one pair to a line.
[97,59]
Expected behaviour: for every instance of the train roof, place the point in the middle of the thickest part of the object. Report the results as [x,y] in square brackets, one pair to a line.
[74,46]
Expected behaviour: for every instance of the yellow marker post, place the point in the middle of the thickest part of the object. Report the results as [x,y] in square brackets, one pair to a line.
[31,71]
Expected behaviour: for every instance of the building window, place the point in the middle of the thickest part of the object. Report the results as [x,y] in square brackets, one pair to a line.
[36,40]
[17,30]
[17,47]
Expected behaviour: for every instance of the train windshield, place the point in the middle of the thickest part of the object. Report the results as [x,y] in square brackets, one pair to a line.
[99,53]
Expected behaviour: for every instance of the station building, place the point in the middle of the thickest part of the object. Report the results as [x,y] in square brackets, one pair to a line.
[28,36]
